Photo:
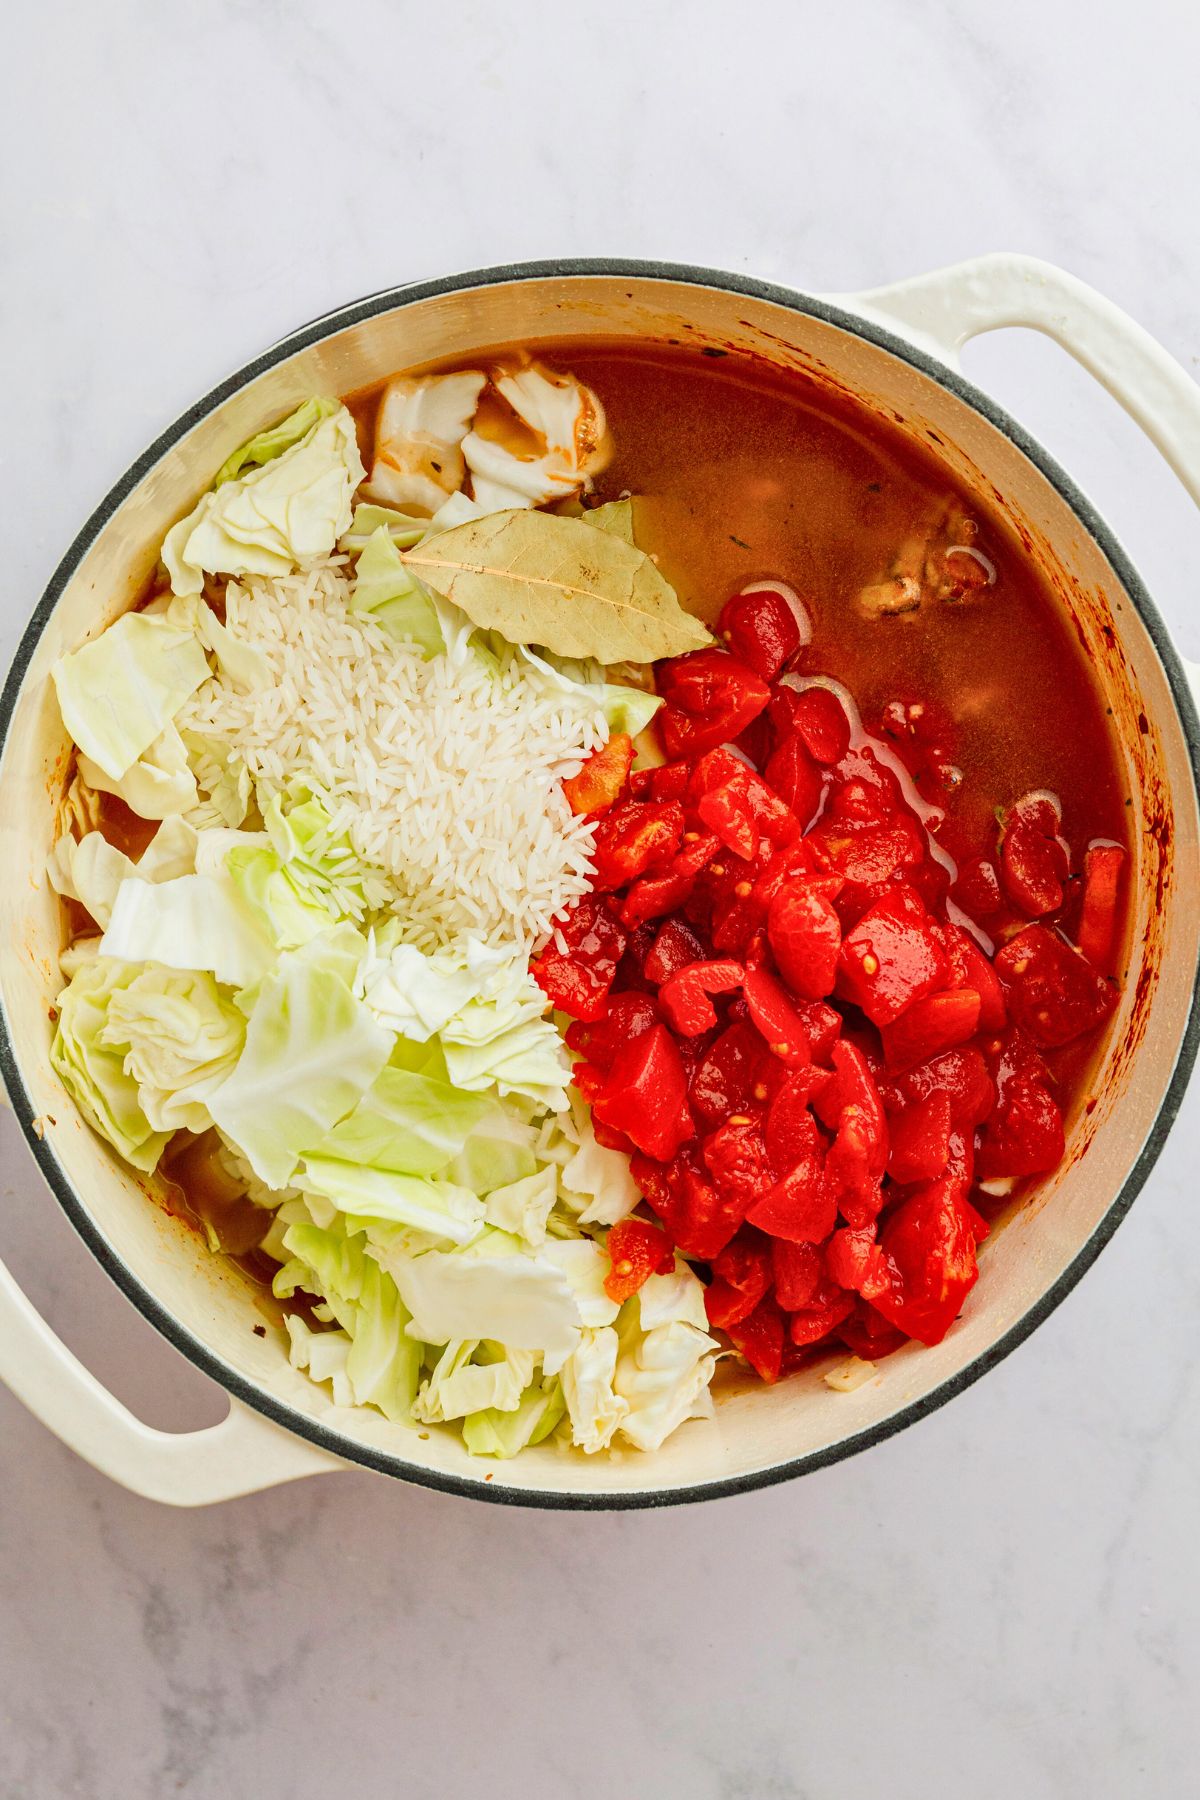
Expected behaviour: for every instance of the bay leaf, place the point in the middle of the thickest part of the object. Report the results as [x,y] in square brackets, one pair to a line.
[615,516]
[542,579]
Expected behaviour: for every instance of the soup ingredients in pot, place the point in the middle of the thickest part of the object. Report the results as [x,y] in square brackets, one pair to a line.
[549,997]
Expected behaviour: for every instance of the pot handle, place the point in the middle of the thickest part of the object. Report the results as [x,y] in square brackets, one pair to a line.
[242,1454]
[941,311]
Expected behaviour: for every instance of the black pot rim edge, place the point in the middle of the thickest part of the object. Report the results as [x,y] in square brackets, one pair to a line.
[302,1424]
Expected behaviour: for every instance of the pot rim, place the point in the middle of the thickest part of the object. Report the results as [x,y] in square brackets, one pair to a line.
[855,324]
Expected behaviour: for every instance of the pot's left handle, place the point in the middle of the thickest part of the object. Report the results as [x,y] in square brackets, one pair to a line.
[242,1454]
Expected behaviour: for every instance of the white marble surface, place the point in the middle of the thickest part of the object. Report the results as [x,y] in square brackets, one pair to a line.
[1004,1599]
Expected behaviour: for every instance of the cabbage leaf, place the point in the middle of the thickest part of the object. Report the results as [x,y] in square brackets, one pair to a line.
[192,922]
[276,516]
[384,591]
[118,692]
[93,1072]
[312,1050]
[180,1039]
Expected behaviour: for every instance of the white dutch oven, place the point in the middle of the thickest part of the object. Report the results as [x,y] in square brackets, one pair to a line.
[896,349]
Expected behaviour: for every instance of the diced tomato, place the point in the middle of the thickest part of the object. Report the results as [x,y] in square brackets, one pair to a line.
[1053,992]
[684,999]
[700,1219]
[977,888]
[817,717]
[654,895]
[589,1078]
[853,1084]
[760,1339]
[645,1095]
[869,1335]
[927,1027]
[919,1139]
[822,1026]
[675,945]
[813,1324]
[851,1106]
[970,968]
[774,1014]
[735,1155]
[1033,857]
[806,938]
[636,836]
[608,1139]
[637,1250]
[798,1271]
[789,1129]
[800,861]
[928,1244]
[761,630]
[855,1261]
[578,981]
[628,1015]
[1102,867]
[892,957]
[866,790]
[724,1076]
[710,697]
[755,741]
[868,855]
[961,1074]
[1024,1135]
[794,775]
[924,737]
[667,782]
[741,1276]
[743,810]
[803,1204]
[602,776]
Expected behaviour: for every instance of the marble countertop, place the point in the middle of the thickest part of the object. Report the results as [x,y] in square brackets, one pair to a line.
[1005,1598]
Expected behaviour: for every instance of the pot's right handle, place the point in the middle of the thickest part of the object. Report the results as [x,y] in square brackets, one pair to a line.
[941,311]
[242,1454]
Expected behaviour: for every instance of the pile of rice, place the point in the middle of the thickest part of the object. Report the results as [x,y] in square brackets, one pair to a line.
[446,778]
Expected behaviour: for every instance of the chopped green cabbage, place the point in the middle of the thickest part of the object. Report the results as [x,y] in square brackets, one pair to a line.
[385,592]
[180,1040]
[118,692]
[406,1123]
[192,922]
[403,529]
[597,1411]
[361,1191]
[662,1377]
[90,871]
[93,1072]
[312,1050]
[505,1434]
[474,1377]
[492,1288]
[275,517]
[157,786]
[379,1363]
[523,1207]
[264,446]
[498,1153]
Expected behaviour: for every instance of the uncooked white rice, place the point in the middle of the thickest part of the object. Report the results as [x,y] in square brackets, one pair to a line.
[447,778]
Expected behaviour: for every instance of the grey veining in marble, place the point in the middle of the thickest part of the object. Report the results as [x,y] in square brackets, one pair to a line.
[1002,1601]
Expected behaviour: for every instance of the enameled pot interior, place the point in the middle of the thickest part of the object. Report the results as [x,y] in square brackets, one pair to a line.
[206,1306]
